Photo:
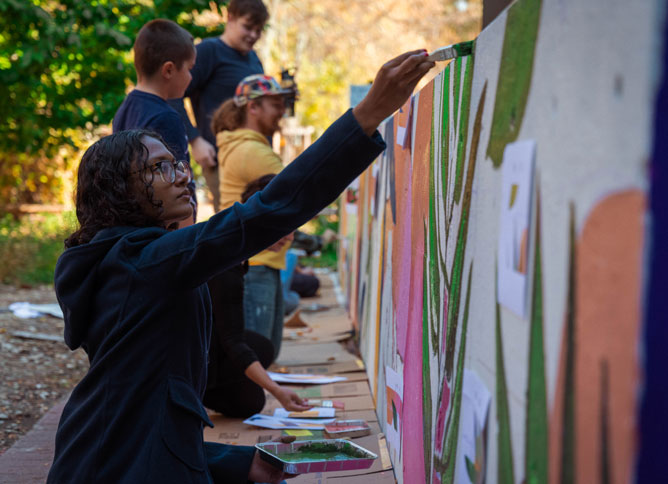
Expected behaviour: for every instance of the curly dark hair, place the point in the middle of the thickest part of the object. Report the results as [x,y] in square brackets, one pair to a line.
[256,185]
[105,194]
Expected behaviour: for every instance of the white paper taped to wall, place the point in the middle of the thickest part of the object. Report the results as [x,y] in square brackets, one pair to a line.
[395,397]
[516,190]
[471,457]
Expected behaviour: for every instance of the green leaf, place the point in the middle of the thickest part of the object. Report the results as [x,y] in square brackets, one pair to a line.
[470,470]
[536,415]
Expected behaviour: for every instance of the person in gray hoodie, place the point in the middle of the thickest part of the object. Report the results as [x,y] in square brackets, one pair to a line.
[134,295]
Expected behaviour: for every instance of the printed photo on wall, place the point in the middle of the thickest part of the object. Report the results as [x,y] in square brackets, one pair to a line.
[516,189]
[395,396]
[472,430]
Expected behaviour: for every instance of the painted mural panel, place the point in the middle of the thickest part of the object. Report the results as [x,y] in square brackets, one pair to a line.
[472,391]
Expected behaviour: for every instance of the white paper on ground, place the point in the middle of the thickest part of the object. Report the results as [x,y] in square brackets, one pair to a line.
[304,378]
[25,310]
[394,384]
[270,422]
[315,412]
[516,189]
[472,421]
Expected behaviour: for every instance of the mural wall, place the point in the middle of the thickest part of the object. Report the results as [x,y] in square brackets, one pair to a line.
[493,256]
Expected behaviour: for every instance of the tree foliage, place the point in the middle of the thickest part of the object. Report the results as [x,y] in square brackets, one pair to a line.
[335,43]
[65,66]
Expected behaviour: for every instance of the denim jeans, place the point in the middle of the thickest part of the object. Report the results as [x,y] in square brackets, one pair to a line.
[263,304]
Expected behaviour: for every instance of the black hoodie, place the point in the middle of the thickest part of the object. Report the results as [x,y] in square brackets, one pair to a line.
[136,300]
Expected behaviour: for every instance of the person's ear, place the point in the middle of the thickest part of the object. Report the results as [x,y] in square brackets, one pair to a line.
[254,106]
[168,69]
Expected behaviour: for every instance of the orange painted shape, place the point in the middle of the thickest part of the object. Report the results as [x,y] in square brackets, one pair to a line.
[608,277]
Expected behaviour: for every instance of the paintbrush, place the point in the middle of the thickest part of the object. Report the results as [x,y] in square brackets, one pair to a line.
[452,51]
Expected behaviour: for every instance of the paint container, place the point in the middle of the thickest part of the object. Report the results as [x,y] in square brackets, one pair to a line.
[347,429]
[307,456]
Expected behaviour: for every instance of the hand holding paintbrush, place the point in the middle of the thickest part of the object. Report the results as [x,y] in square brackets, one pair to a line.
[394,83]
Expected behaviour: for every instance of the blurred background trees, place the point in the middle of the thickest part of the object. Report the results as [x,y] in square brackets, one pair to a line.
[65,66]
[335,43]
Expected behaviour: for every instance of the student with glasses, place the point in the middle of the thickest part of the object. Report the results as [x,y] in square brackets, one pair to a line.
[134,294]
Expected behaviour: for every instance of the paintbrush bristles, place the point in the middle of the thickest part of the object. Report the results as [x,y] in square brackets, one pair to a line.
[451,51]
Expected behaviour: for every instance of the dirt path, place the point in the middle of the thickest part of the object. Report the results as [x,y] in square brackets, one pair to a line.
[34,374]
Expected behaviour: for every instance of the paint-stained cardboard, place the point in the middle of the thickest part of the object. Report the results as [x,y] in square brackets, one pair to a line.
[334,390]
[328,368]
[360,402]
[235,432]
[313,354]
[369,415]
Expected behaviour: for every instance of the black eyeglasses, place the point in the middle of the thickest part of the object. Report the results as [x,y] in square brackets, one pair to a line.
[168,169]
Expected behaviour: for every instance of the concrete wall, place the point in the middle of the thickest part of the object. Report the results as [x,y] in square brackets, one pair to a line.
[467,389]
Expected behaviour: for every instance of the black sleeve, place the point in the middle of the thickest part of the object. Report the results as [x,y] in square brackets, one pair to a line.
[191,130]
[227,303]
[229,464]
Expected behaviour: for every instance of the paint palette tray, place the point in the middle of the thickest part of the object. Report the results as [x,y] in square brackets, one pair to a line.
[347,428]
[307,456]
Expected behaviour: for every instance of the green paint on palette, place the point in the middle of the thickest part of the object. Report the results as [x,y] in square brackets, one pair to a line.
[515,72]
[460,247]
[505,468]
[536,416]
[462,132]
[322,452]
[426,373]
[452,431]
[394,416]
[568,442]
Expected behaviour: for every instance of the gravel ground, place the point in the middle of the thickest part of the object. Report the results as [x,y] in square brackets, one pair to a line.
[34,374]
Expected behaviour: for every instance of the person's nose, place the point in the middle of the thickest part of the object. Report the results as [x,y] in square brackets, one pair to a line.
[180,178]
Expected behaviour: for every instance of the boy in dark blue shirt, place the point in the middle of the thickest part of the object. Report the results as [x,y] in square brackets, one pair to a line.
[222,62]
[164,55]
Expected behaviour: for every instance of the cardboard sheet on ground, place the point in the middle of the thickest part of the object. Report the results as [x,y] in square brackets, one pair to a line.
[513,250]
[332,320]
[360,402]
[343,389]
[271,422]
[326,368]
[368,415]
[292,335]
[471,459]
[312,354]
[235,432]
[308,415]
[304,378]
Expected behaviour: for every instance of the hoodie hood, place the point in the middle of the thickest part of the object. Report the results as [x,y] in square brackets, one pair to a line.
[75,281]
[227,141]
